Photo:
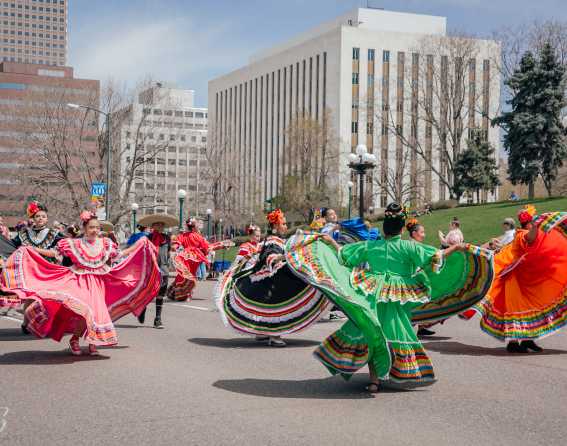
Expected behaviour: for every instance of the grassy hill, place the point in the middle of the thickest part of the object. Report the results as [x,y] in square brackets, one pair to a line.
[478,223]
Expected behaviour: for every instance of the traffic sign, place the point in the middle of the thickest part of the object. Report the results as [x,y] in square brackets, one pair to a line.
[98,189]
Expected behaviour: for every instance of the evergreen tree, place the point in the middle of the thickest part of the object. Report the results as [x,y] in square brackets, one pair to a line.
[476,167]
[521,140]
[550,99]
[535,137]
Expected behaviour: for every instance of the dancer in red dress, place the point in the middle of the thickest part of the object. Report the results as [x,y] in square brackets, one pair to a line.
[86,298]
[252,246]
[192,250]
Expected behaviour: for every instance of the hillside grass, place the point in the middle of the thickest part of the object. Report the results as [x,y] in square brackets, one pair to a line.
[479,223]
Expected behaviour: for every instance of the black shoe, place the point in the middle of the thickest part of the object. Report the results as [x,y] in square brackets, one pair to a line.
[25,329]
[531,345]
[142,316]
[422,331]
[157,323]
[515,347]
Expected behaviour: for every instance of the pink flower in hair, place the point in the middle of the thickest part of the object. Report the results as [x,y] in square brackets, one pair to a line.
[86,216]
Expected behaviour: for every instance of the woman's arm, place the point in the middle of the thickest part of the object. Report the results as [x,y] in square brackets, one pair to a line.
[442,238]
[331,241]
[46,252]
[531,235]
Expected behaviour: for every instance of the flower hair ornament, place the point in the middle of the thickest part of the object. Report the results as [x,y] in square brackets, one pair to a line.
[87,216]
[251,229]
[411,224]
[402,212]
[527,214]
[275,217]
[33,208]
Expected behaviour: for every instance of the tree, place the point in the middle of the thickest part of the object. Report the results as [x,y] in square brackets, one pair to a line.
[535,137]
[476,167]
[61,158]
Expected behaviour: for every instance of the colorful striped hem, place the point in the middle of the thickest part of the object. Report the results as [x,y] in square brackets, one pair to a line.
[523,326]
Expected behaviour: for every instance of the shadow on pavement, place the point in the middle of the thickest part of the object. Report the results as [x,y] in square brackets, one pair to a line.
[326,389]
[46,358]
[458,348]
[15,334]
[433,338]
[245,342]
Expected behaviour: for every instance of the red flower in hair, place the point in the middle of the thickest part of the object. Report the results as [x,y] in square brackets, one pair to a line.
[33,208]
[275,217]
[527,214]
[86,216]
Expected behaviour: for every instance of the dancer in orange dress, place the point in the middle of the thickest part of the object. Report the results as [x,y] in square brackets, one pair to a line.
[528,298]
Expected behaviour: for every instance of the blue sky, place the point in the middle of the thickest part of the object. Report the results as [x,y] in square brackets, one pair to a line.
[189,42]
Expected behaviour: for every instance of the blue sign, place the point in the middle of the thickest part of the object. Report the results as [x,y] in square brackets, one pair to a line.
[98,189]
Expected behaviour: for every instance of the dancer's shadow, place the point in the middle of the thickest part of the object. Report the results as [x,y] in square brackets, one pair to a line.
[15,334]
[332,388]
[46,358]
[245,342]
[458,348]
[434,338]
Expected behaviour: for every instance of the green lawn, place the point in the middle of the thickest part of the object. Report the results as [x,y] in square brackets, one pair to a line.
[478,223]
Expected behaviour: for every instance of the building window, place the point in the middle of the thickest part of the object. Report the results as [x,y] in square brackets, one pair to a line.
[354,127]
[354,78]
[356,53]
[370,54]
[386,56]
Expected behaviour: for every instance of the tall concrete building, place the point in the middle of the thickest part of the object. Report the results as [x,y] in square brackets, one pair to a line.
[380,78]
[166,128]
[36,127]
[34,31]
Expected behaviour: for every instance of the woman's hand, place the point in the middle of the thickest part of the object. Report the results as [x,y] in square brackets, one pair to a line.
[330,241]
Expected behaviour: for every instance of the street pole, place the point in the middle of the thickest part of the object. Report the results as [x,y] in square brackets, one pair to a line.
[108,166]
[134,223]
[349,199]
[181,200]
[361,194]
[208,226]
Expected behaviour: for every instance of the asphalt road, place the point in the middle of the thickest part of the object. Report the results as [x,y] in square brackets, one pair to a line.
[196,383]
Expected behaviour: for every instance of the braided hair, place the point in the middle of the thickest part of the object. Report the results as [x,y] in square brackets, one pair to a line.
[394,219]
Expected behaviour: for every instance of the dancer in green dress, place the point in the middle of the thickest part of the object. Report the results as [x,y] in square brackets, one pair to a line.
[379,299]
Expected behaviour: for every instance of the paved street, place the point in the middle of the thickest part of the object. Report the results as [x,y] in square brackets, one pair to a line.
[198,383]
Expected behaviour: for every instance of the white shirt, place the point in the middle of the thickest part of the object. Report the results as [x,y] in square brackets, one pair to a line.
[508,237]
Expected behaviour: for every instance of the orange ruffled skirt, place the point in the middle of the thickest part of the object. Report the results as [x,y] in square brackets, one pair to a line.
[528,298]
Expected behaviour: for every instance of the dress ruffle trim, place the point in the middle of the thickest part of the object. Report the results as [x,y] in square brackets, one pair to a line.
[525,325]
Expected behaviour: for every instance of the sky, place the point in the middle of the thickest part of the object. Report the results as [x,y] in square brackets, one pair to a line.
[189,42]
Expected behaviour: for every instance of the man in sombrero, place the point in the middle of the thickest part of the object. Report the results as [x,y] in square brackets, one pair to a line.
[162,241]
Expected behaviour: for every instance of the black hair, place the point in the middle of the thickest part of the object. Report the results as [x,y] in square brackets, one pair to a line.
[394,219]
[413,226]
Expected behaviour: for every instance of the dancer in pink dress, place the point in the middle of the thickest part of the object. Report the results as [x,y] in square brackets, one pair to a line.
[86,298]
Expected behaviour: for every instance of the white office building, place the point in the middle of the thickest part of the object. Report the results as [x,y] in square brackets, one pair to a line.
[377,73]
[172,134]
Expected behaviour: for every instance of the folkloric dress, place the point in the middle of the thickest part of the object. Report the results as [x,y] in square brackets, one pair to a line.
[89,294]
[45,238]
[528,299]
[192,249]
[383,298]
[247,250]
[264,297]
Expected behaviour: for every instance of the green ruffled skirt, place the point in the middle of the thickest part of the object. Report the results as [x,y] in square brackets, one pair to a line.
[381,333]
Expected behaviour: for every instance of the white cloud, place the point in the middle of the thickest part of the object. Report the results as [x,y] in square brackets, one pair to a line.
[167,49]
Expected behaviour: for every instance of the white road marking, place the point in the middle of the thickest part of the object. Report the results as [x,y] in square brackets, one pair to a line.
[15,319]
[193,307]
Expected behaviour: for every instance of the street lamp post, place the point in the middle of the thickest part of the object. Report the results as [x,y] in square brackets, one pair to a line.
[209,212]
[360,162]
[108,152]
[181,194]
[134,208]
[350,185]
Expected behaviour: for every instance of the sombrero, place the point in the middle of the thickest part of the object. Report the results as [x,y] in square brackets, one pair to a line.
[169,221]
[106,226]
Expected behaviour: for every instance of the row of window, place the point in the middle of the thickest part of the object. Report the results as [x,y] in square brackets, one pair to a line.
[33,52]
[371,54]
[161,136]
[54,2]
[35,26]
[34,61]
[176,113]
[34,17]
[40,35]
[27,43]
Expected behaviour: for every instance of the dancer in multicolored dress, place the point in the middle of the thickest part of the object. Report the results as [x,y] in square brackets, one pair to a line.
[263,297]
[250,248]
[381,299]
[528,299]
[86,298]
